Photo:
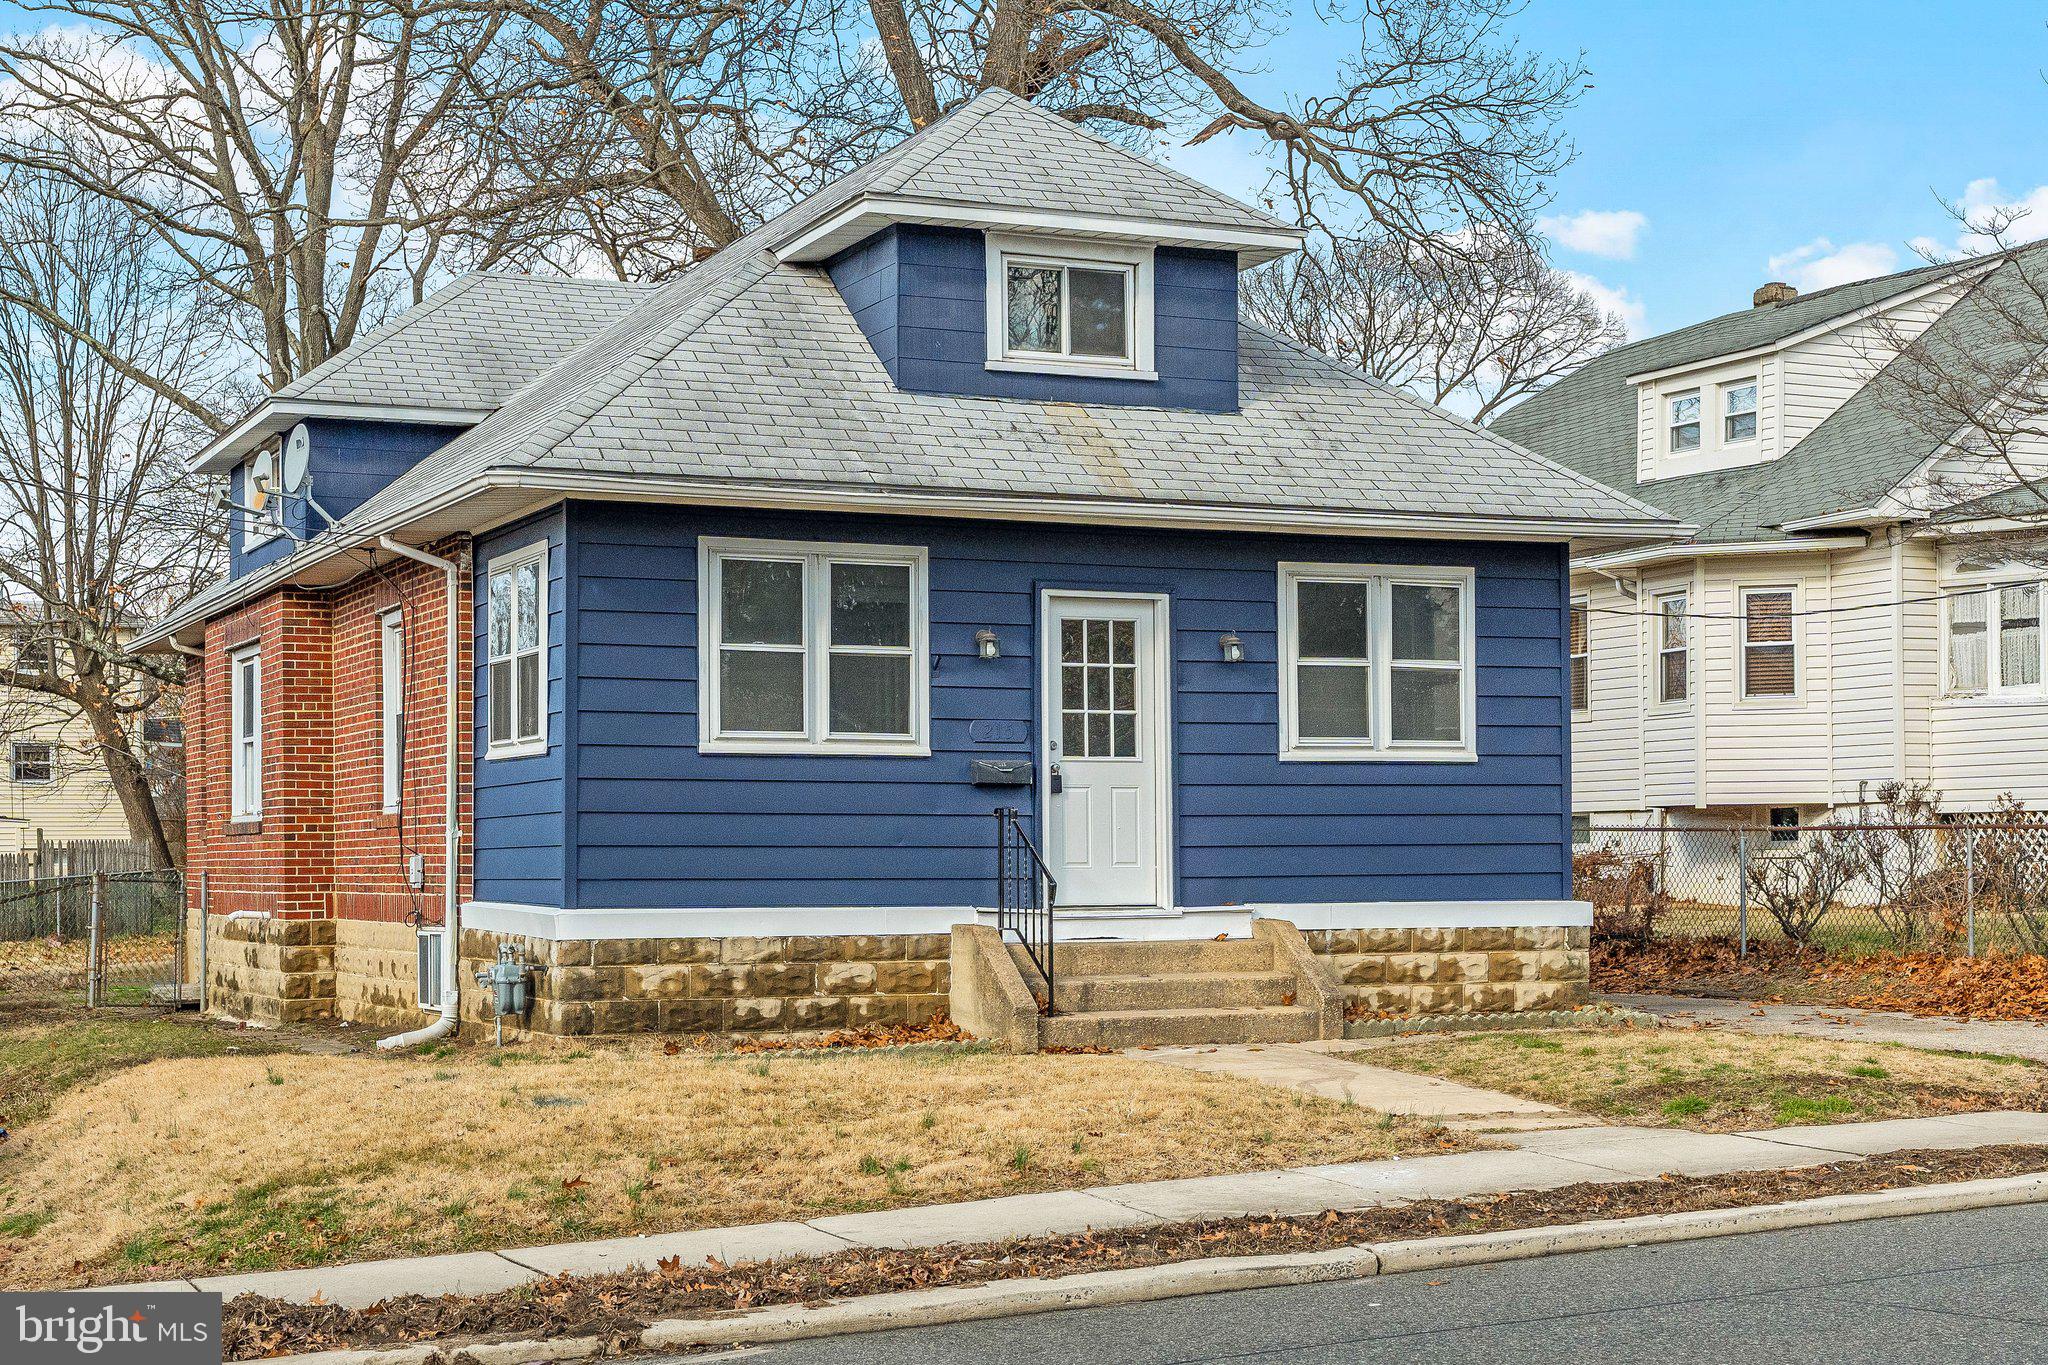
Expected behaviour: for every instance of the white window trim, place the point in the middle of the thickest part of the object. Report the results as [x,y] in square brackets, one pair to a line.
[1658,649]
[433,1001]
[506,563]
[391,705]
[1755,410]
[1137,260]
[1583,605]
[1381,747]
[817,556]
[245,753]
[14,762]
[1994,689]
[1767,700]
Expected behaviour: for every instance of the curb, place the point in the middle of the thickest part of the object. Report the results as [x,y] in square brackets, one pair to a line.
[1143,1284]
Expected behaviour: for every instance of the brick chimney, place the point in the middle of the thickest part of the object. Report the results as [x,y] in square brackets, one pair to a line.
[1777,291]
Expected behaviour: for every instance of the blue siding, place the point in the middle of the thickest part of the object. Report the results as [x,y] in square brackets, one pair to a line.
[521,804]
[920,295]
[348,461]
[651,822]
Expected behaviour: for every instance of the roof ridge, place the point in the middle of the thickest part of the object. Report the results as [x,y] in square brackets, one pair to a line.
[1436,410]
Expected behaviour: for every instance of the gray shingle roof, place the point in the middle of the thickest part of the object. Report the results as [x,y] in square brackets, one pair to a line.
[1847,463]
[470,345]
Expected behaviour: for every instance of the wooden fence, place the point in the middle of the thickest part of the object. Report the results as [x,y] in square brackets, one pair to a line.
[75,858]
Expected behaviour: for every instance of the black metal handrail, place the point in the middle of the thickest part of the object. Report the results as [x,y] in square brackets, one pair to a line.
[1024,895]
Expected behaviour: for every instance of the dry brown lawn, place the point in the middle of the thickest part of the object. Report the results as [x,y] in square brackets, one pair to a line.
[230,1162]
[1722,1081]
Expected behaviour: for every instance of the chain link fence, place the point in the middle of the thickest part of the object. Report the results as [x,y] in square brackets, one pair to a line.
[106,939]
[1957,886]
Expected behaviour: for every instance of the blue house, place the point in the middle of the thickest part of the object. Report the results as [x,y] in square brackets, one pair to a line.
[938,599]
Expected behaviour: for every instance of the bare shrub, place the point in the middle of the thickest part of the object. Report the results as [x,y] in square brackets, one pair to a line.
[1626,892]
[1801,885]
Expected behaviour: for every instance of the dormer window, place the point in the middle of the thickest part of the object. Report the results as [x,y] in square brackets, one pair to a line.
[1070,308]
[1738,412]
[1685,421]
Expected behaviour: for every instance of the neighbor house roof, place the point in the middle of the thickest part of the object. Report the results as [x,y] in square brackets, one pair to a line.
[1849,462]
[748,380]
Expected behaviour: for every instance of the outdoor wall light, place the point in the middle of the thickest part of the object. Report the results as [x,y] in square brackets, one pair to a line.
[985,644]
[1233,648]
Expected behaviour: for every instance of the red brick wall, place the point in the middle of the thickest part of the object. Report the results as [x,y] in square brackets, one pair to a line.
[325,845]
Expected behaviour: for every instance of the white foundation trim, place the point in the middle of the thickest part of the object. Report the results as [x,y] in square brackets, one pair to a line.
[1205,921]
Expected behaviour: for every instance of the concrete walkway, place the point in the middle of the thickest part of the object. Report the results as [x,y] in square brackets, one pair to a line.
[1545,1160]
[1334,1071]
[1839,1021]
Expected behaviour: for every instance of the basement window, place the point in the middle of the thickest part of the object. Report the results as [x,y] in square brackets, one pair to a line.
[429,944]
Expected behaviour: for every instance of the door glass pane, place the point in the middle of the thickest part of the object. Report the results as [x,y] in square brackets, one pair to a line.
[1074,733]
[870,694]
[871,604]
[1070,641]
[1332,701]
[762,601]
[761,691]
[1425,619]
[1123,641]
[1425,704]
[1098,734]
[1124,736]
[1071,695]
[526,616]
[1034,308]
[1334,619]
[1098,688]
[1100,325]
[1098,642]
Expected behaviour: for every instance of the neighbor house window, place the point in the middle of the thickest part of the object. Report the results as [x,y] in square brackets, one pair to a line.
[1684,423]
[245,753]
[1738,412]
[429,943]
[1376,662]
[1578,649]
[1968,614]
[1784,824]
[32,763]
[516,632]
[2019,636]
[391,657]
[1057,305]
[1672,664]
[1770,665]
[812,647]
[1994,639]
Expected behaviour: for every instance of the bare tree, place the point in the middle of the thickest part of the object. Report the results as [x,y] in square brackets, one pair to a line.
[292,159]
[1476,331]
[1438,124]
[100,525]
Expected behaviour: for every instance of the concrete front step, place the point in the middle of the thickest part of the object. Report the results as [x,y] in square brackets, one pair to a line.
[1173,990]
[1110,957]
[1178,1027]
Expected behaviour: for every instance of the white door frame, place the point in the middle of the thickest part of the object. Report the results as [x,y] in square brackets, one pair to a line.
[1162,723]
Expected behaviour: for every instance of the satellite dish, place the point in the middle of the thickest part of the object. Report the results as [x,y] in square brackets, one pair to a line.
[262,479]
[297,447]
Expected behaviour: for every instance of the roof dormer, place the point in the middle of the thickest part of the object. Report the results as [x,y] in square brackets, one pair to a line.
[1698,420]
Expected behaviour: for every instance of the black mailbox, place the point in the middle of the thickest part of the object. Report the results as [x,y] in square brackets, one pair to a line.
[1001,772]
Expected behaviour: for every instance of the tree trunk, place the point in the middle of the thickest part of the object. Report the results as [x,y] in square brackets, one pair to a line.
[131,784]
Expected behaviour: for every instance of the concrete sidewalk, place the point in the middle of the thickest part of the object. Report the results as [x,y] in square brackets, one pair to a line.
[1852,1025]
[1540,1160]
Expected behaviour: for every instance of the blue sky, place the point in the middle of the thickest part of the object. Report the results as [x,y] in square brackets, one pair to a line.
[1817,135]
[1798,139]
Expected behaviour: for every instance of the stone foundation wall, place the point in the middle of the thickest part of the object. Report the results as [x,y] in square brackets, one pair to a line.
[270,971]
[376,974]
[719,986]
[1410,972]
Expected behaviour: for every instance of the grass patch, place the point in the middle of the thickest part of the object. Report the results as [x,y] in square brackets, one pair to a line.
[1723,1081]
[217,1163]
[45,1057]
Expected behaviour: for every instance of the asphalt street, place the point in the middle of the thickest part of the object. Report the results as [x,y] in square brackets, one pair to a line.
[1938,1288]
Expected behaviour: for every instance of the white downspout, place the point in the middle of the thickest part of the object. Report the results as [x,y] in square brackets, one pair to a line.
[451,913]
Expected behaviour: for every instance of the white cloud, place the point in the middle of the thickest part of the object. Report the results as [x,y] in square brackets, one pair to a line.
[1610,233]
[1614,299]
[1820,264]
[1985,204]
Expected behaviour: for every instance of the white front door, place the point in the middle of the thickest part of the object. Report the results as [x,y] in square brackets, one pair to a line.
[1105,730]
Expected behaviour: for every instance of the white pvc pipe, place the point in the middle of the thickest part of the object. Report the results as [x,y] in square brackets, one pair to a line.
[452,829]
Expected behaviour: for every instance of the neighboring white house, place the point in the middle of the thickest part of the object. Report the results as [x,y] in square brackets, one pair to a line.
[54,786]
[1818,636]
